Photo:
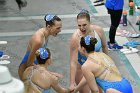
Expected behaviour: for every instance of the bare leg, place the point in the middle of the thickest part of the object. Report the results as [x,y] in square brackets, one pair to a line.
[21,70]
[112,91]
[79,76]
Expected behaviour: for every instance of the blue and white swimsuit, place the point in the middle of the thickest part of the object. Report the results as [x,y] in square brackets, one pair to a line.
[98,46]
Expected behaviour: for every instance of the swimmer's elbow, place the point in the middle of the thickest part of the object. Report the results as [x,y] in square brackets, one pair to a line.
[29,64]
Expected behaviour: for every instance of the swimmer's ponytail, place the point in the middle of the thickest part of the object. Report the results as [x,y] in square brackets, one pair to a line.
[93,41]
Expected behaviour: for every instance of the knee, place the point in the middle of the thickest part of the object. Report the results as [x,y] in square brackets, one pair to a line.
[85,89]
[112,91]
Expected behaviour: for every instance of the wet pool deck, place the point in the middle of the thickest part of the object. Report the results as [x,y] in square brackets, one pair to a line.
[16,27]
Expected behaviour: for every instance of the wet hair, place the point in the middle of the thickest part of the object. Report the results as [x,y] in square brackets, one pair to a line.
[50,19]
[84,14]
[42,55]
[88,42]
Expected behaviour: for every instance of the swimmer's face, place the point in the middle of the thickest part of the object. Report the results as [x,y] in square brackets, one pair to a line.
[83,25]
[56,28]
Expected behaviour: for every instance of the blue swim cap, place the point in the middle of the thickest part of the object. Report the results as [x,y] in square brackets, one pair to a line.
[49,17]
[84,11]
[43,53]
[87,39]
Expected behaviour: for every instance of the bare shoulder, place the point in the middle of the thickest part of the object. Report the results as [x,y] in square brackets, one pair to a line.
[74,35]
[45,75]
[74,39]
[88,63]
[98,29]
[54,79]
[91,65]
[48,75]
[42,74]
[27,72]
[86,67]
[36,39]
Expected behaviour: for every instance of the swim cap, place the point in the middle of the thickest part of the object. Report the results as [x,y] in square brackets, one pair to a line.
[87,39]
[49,17]
[43,53]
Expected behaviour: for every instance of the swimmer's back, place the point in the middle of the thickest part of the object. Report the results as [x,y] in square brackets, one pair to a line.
[106,67]
[40,77]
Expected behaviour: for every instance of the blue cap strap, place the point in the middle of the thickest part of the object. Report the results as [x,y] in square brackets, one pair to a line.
[49,17]
[87,39]
[43,53]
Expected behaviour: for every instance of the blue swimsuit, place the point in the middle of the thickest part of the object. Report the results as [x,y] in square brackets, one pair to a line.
[123,86]
[24,60]
[81,58]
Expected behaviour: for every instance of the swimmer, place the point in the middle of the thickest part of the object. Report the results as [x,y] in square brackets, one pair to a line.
[38,79]
[100,69]
[76,59]
[39,39]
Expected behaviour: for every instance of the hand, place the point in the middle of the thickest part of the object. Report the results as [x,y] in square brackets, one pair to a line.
[70,91]
[72,87]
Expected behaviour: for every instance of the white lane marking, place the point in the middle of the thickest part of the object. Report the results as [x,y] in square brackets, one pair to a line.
[101,12]
[24,33]
[3,42]
[34,17]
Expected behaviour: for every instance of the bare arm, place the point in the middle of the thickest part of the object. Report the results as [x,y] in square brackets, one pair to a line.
[101,34]
[57,87]
[35,46]
[80,85]
[90,78]
[73,59]
[104,42]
